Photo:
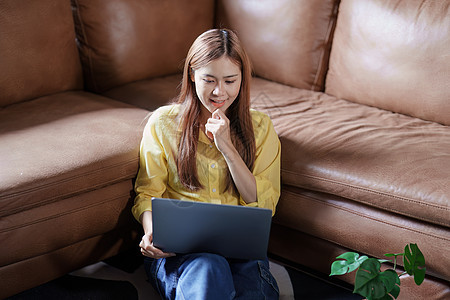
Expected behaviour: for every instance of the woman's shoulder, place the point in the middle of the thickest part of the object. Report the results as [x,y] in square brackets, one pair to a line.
[166,111]
[164,114]
[260,120]
[262,127]
[163,120]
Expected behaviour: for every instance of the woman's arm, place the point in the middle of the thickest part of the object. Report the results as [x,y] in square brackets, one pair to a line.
[218,127]
[243,179]
[150,182]
[266,170]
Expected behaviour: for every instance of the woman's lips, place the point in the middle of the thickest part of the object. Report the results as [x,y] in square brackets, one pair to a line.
[217,103]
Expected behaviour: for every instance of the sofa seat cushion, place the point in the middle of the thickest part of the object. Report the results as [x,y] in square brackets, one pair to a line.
[65,144]
[387,160]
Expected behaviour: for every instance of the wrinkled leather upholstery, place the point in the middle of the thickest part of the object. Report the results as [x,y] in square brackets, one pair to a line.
[134,40]
[149,93]
[365,159]
[38,50]
[67,164]
[288,41]
[403,67]
[390,161]
[54,153]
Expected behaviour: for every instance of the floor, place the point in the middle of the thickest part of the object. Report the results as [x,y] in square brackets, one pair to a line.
[123,277]
[102,270]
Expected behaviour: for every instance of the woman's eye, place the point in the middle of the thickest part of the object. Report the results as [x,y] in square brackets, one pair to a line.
[208,81]
[230,81]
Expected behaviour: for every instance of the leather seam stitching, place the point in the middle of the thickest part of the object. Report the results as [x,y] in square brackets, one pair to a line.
[370,217]
[77,210]
[368,190]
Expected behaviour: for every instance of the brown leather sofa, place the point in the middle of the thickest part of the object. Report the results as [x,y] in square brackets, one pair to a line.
[359,93]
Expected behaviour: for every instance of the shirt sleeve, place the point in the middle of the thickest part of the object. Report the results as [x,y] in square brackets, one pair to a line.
[267,166]
[151,180]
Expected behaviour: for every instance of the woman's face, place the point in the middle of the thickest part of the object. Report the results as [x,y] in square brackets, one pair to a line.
[217,85]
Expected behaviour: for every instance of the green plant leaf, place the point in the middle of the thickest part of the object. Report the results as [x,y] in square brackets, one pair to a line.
[414,263]
[392,295]
[390,280]
[348,262]
[339,267]
[396,290]
[371,283]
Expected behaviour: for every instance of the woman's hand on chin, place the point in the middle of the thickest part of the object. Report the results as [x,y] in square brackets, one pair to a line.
[217,128]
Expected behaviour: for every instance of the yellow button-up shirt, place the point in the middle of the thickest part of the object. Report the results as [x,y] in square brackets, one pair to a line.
[158,176]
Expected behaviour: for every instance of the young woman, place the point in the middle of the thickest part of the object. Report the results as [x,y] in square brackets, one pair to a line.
[210,147]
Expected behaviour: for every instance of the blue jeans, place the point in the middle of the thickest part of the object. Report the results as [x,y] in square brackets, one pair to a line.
[210,276]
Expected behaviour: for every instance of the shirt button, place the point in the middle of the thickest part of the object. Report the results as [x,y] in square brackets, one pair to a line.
[214,190]
[213,166]
[210,146]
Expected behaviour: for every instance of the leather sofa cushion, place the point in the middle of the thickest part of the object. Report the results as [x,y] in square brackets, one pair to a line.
[38,53]
[68,221]
[357,226]
[387,160]
[149,93]
[123,41]
[288,41]
[69,143]
[37,270]
[318,254]
[393,55]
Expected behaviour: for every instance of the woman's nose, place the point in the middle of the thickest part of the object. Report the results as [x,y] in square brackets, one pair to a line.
[219,89]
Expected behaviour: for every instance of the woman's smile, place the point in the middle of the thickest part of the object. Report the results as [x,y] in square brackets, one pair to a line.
[218,103]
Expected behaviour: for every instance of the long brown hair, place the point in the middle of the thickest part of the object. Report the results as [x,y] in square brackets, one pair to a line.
[211,45]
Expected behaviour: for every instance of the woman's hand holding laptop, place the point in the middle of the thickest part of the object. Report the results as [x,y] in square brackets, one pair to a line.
[146,244]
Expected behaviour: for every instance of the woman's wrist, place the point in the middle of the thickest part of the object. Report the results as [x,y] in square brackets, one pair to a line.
[230,154]
[147,222]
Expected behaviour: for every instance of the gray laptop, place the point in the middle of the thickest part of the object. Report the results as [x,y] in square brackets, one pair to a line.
[232,231]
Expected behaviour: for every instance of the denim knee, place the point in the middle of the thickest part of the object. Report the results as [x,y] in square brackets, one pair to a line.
[149,267]
[205,276]
[192,276]
[269,286]
[211,276]
[253,280]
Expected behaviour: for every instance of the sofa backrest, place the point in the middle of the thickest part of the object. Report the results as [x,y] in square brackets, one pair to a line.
[38,53]
[288,41]
[394,55]
[122,41]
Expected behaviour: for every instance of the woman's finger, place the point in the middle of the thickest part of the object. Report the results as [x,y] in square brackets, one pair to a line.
[147,249]
[218,114]
[215,114]
[208,131]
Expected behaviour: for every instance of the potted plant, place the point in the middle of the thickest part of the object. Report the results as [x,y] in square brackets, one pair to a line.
[371,282]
